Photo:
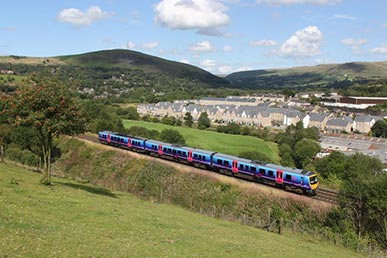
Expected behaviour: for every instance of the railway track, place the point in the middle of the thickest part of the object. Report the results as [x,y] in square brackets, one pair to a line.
[324,195]
[327,196]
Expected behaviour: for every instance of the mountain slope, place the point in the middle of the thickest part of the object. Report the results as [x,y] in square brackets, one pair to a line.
[308,76]
[147,63]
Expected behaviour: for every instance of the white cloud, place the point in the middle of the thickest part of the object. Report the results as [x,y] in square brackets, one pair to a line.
[202,47]
[130,45]
[302,44]
[290,2]
[354,44]
[208,63]
[191,14]
[77,17]
[227,48]
[185,61]
[225,69]
[263,43]
[150,45]
[379,50]
[344,16]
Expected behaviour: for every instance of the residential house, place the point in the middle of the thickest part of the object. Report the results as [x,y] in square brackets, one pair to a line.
[363,123]
[318,120]
[339,124]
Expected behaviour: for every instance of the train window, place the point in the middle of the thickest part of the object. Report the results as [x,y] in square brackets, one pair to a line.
[204,157]
[270,173]
[226,163]
[288,178]
[219,162]
[253,169]
[241,166]
[174,151]
[195,156]
[262,171]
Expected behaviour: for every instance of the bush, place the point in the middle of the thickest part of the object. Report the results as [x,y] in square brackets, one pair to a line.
[172,136]
[25,157]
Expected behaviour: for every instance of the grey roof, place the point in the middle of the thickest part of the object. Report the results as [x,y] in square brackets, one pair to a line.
[340,122]
[293,113]
[353,144]
[317,117]
[363,119]
[239,99]
[213,99]
[212,110]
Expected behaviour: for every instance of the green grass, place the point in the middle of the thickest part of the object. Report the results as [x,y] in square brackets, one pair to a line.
[70,219]
[17,79]
[220,142]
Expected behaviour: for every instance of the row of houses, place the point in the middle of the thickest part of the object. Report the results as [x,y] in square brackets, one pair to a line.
[261,115]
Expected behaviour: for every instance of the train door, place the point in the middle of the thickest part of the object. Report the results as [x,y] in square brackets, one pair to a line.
[108,137]
[278,178]
[234,167]
[189,156]
[160,149]
[129,142]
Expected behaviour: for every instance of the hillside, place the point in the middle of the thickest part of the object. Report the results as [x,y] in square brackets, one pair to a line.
[147,63]
[331,75]
[125,60]
[71,219]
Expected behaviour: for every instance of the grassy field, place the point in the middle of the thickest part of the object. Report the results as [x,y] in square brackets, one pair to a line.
[220,142]
[69,219]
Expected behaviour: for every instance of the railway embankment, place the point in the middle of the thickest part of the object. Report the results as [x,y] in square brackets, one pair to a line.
[196,190]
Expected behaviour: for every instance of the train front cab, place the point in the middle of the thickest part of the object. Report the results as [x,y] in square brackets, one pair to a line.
[313,184]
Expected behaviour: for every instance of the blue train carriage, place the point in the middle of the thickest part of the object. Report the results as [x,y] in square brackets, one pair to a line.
[200,158]
[104,137]
[155,148]
[294,179]
[227,164]
[122,140]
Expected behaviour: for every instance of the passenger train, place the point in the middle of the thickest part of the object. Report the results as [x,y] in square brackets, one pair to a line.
[287,178]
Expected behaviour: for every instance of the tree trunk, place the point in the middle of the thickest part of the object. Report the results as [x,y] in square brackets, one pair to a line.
[46,149]
[2,153]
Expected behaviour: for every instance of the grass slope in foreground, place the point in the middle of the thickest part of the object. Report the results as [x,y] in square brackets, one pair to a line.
[213,141]
[70,219]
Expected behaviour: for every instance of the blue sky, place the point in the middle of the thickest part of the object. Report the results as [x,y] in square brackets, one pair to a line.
[221,36]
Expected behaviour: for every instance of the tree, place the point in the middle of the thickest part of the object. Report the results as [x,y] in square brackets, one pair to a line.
[172,136]
[5,131]
[333,164]
[188,119]
[379,129]
[286,154]
[203,121]
[305,150]
[361,174]
[46,105]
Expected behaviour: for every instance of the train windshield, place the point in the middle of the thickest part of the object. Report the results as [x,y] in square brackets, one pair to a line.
[313,180]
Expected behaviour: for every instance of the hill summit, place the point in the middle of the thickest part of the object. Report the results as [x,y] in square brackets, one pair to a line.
[140,61]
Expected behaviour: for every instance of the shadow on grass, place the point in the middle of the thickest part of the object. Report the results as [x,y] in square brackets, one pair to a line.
[90,189]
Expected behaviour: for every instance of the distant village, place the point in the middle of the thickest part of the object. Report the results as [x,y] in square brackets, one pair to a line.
[342,129]
[275,111]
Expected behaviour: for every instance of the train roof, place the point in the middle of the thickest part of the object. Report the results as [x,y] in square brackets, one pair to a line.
[225,156]
[198,150]
[125,135]
[288,169]
[159,142]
